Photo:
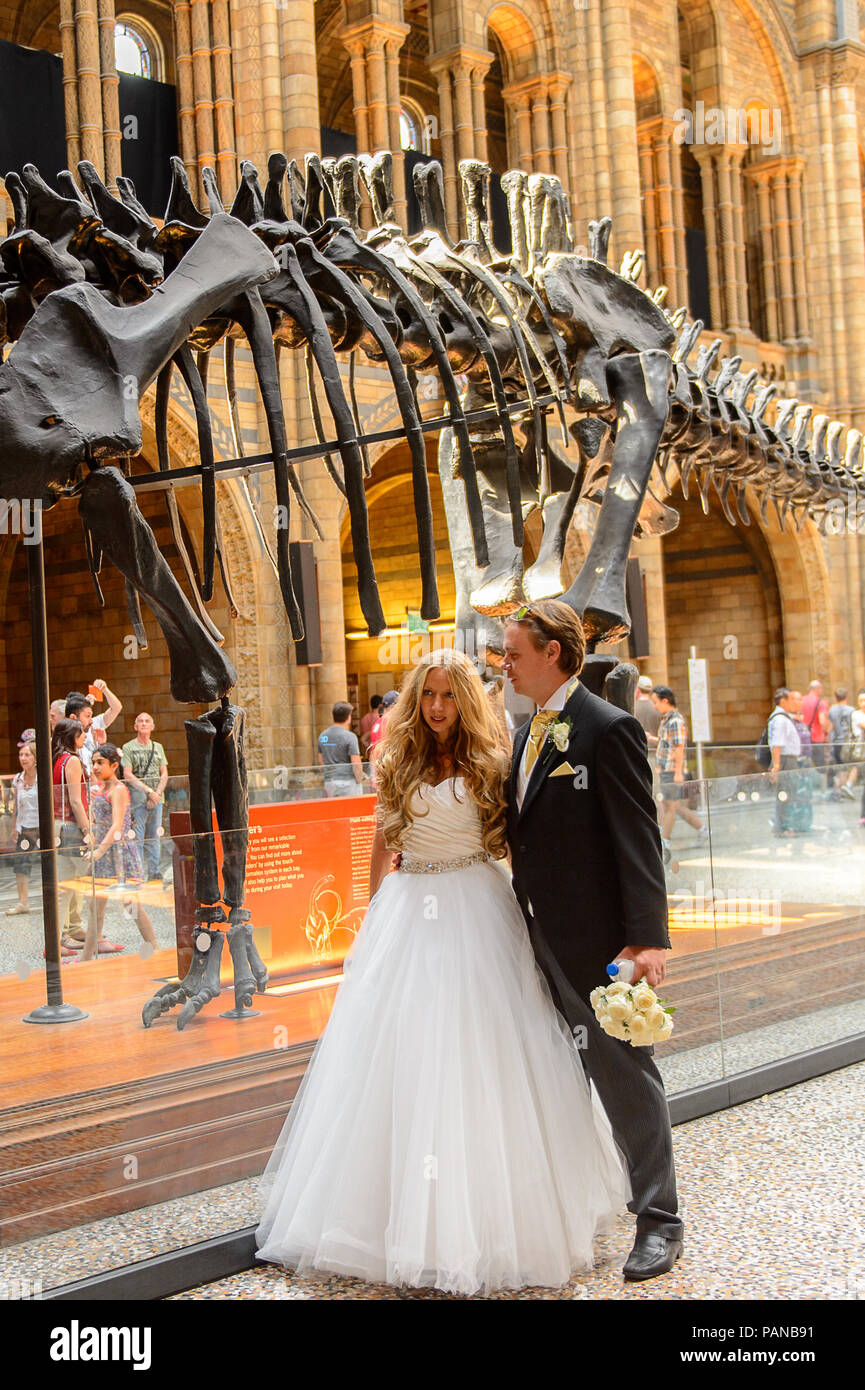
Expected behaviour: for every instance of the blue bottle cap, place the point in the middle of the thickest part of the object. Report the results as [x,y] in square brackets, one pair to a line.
[612,969]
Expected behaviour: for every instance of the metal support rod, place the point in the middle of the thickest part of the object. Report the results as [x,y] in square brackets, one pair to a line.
[54,1011]
[255,463]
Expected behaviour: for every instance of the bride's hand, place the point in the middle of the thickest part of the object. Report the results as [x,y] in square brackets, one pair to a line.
[650,963]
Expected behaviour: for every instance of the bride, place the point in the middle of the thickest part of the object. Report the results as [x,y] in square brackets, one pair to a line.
[444,1133]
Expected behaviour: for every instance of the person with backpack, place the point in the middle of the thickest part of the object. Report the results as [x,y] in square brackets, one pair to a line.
[841,743]
[785,750]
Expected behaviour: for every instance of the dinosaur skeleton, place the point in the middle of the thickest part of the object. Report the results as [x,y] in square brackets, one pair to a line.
[99,304]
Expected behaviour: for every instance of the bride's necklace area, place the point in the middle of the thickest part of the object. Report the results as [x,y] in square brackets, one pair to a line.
[445,764]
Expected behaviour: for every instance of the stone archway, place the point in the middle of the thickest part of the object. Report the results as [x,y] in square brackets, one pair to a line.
[722,594]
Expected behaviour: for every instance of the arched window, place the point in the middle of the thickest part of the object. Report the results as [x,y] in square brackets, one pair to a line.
[132,52]
[408,131]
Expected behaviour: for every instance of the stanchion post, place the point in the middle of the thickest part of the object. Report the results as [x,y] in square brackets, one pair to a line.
[54,1011]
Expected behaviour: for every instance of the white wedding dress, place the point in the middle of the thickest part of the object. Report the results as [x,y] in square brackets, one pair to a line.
[444,1133]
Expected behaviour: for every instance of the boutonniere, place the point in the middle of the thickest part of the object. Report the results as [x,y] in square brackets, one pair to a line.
[558,737]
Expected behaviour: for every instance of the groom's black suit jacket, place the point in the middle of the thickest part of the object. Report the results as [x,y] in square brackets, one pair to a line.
[588,859]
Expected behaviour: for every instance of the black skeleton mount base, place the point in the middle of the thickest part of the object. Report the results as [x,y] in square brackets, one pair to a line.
[217,775]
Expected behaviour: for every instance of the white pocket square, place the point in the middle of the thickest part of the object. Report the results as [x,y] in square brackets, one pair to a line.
[564,770]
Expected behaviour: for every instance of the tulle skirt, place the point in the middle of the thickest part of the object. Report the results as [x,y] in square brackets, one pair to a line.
[444,1133]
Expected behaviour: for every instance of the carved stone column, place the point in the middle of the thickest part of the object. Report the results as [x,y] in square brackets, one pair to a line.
[205,142]
[725,156]
[110,84]
[223,100]
[479,114]
[650,218]
[376,92]
[668,268]
[847,73]
[517,105]
[679,223]
[270,82]
[598,107]
[185,92]
[464,120]
[70,81]
[541,126]
[760,179]
[705,158]
[797,238]
[374,44]
[89,83]
[738,154]
[460,71]
[784,251]
[392,49]
[621,123]
[359,96]
[557,87]
[448,144]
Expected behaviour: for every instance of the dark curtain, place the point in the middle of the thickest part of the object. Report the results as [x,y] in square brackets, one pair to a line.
[148,127]
[32,125]
[698,274]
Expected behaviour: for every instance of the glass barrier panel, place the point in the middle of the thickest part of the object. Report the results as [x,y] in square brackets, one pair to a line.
[788,882]
[694,1054]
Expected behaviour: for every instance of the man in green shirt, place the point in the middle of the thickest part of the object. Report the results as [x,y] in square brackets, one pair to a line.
[145,772]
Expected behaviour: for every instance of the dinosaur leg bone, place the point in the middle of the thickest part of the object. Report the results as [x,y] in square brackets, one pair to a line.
[638,385]
[200,670]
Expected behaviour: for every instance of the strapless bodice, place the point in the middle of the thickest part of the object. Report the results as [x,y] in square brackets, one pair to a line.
[446,823]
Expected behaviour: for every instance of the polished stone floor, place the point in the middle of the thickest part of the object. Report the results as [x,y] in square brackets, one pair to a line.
[773,1203]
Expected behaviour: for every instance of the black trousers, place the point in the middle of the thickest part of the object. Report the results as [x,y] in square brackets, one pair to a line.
[632,1093]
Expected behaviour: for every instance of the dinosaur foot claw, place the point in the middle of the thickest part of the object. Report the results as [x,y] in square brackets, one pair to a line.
[250,972]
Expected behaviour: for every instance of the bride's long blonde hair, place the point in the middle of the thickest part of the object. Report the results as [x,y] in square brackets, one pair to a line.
[408,752]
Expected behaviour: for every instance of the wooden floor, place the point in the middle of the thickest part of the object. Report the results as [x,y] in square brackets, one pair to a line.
[111,1046]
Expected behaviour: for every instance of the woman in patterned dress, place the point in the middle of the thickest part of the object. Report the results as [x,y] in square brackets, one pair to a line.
[114,846]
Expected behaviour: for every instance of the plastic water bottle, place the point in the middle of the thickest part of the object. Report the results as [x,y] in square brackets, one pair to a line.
[621,970]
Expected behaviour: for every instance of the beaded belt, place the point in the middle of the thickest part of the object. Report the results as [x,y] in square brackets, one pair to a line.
[441,866]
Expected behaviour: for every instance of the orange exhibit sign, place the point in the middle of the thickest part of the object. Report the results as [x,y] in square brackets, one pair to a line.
[307,882]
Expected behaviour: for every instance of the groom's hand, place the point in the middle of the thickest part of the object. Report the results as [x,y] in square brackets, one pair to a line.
[650,963]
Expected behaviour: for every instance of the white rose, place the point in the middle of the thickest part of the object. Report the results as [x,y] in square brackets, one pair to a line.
[655,1016]
[561,736]
[617,987]
[641,1033]
[666,1028]
[596,997]
[644,997]
[615,1030]
[619,1010]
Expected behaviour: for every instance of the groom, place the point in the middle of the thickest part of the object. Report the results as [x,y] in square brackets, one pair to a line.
[589,877]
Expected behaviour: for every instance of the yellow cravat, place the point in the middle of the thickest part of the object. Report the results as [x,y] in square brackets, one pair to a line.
[537,733]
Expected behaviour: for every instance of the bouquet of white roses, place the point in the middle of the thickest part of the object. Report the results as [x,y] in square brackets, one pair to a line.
[633,1013]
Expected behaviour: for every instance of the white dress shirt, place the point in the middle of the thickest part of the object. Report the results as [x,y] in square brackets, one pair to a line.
[557,700]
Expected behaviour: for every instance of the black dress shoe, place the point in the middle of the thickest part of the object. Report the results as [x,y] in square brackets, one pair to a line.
[653,1254]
